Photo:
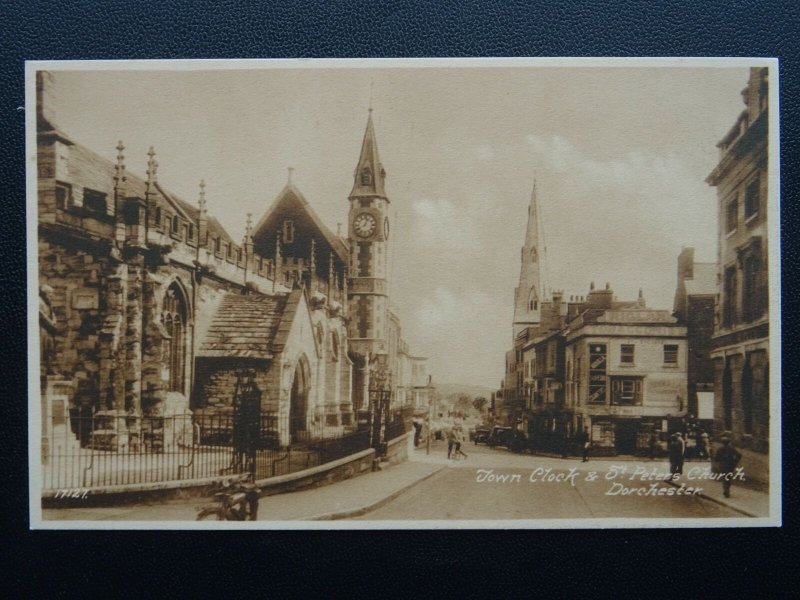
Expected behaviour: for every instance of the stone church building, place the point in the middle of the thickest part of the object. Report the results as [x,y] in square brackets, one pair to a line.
[157,309]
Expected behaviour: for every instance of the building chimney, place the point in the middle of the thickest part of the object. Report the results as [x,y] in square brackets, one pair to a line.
[600,298]
[45,101]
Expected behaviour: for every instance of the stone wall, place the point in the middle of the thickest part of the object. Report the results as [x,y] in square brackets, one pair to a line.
[215,380]
[76,273]
[397,449]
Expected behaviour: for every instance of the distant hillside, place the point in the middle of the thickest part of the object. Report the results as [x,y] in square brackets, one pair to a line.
[457,389]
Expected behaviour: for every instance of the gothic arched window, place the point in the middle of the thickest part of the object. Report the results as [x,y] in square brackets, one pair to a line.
[366,176]
[174,316]
[335,346]
[533,300]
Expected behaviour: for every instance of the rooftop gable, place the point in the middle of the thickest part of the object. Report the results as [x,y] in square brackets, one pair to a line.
[291,204]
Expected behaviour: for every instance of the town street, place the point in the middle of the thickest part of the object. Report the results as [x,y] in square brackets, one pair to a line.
[493,483]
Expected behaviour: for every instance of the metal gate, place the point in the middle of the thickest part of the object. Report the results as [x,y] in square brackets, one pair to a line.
[246,423]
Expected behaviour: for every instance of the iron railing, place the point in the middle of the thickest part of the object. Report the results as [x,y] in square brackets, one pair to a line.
[110,448]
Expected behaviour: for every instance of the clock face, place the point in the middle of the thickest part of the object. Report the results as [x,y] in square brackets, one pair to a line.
[364,225]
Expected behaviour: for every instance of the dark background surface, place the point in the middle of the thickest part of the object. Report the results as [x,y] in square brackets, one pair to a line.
[690,563]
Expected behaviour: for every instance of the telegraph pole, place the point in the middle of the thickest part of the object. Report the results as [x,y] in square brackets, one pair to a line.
[431,406]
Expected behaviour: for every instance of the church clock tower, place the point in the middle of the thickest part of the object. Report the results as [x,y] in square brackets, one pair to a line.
[368,237]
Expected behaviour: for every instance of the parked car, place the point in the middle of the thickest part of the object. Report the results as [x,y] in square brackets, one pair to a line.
[480,435]
[500,436]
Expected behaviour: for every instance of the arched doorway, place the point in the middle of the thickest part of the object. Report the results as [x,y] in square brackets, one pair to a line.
[298,401]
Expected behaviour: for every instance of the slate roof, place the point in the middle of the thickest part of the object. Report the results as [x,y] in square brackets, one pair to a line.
[90,170]
[245,326]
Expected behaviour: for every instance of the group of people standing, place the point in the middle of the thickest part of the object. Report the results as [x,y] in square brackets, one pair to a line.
[723,462]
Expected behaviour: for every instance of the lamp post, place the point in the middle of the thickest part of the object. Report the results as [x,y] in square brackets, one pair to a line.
[380,392]
[431,406]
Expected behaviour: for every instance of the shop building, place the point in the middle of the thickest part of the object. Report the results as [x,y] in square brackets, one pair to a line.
[740,342]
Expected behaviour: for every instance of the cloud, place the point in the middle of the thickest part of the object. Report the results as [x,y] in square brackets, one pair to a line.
[445,318]
[435,220]
[485,152]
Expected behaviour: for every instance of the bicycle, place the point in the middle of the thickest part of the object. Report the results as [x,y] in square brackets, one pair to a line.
[236,501]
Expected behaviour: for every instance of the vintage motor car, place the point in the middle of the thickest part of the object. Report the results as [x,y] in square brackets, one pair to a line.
[499,436]
[480,435]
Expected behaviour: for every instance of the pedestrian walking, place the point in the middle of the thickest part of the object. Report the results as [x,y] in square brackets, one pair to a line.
[583,440]
[725,461]
[677,448]
[459,439]
[417,431]
[451,441]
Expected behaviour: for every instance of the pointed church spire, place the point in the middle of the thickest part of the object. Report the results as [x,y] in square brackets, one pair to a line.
[532,232]
[369,175]
[530,291]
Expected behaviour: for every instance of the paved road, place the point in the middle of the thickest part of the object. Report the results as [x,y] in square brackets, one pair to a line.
[496,484]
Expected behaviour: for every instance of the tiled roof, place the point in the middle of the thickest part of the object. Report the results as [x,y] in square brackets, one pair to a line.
[244,326]
[90,170]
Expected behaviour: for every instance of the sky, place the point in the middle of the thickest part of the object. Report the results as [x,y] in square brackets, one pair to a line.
[619,155]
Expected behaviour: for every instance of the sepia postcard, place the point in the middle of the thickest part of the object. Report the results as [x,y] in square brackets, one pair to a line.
[404,293]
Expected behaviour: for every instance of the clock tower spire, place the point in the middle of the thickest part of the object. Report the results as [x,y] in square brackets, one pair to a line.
[369,174]
[368,238]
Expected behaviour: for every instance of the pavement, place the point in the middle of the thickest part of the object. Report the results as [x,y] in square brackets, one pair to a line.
[341,500]
[748,502]
[360,495]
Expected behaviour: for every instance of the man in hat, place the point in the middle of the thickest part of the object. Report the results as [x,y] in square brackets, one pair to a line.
[677,448]
[726,459]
